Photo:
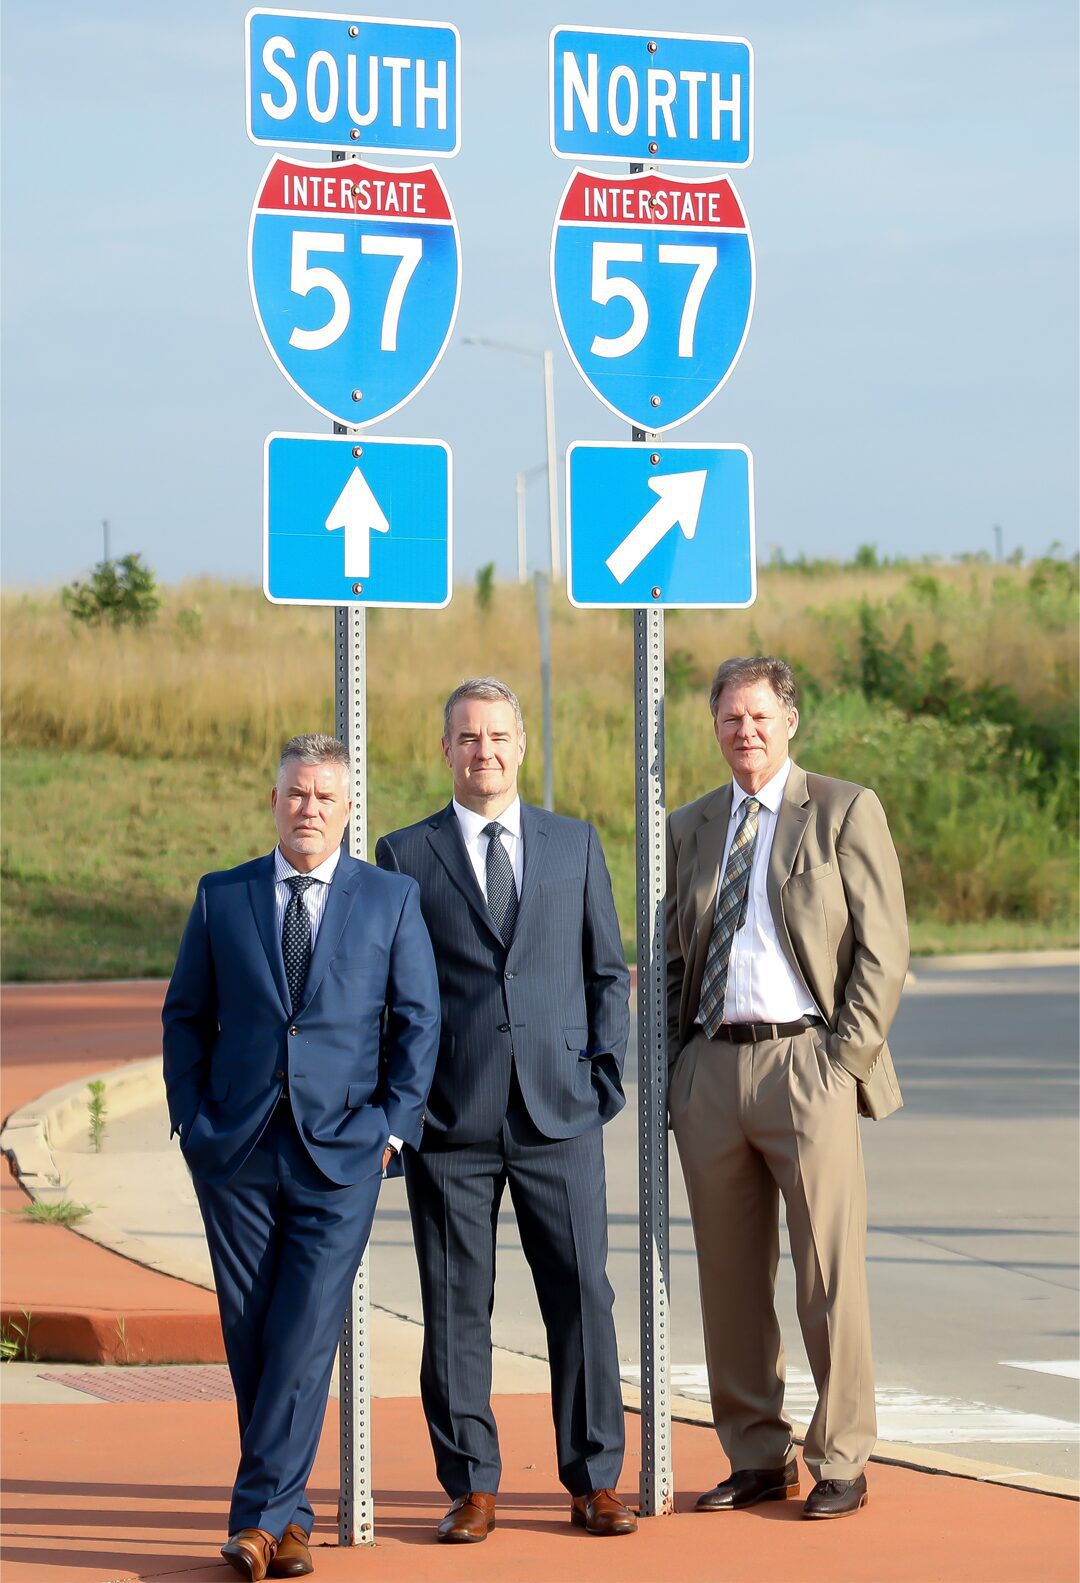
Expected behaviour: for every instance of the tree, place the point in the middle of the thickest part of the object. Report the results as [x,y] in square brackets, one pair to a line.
[118,593]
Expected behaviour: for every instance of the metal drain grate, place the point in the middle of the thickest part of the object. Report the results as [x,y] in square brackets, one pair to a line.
[150,1384]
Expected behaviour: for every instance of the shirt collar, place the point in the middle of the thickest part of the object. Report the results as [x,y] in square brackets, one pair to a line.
[770,796]
[284,870]
[472,824]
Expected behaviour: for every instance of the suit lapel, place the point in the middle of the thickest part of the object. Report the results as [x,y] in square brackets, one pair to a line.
[708,856]
[791,822]
[343,891]
[261,895]
[448,844]
[534,833]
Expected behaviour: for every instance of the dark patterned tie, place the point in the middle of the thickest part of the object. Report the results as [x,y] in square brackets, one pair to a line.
[730,915]
[501,891]
[296,937]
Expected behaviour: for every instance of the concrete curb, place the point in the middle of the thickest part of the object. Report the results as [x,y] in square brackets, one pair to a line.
[162,1336]
[687,1410]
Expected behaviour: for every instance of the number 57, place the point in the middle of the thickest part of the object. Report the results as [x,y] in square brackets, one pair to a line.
[304,277]
[606,288]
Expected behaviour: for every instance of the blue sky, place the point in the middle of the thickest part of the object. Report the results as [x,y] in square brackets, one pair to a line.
[909,378]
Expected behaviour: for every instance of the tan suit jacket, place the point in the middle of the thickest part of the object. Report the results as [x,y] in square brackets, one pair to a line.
[837,902]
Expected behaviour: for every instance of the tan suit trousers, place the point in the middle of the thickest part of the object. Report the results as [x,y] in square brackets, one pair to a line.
[752,1121]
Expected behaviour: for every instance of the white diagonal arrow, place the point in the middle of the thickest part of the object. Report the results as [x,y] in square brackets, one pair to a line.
[359,513]
[680,502]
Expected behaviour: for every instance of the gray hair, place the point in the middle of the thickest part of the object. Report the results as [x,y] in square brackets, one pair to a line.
[746,669]
[316,748]
[488,687]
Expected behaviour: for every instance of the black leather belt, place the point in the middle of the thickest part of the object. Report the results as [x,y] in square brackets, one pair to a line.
[755,1032]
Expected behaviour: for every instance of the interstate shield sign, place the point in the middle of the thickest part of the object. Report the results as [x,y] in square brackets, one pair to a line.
[653,281]
[355,273]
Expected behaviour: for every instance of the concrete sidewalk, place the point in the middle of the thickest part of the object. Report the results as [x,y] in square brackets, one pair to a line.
[121,1473]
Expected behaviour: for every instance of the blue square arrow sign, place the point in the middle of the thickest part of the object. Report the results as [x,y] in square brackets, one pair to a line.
[666,525]
[350,520]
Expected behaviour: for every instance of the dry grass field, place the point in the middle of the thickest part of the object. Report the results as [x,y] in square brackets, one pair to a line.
[140,754]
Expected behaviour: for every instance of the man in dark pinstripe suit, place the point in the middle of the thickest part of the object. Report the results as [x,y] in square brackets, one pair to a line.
[534,994]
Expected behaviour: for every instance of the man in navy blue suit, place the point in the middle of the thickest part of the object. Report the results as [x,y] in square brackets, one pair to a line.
[301,1028]
[534,1027]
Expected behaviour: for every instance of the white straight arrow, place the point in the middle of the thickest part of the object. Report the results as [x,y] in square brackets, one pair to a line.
[359,513]
[679,502]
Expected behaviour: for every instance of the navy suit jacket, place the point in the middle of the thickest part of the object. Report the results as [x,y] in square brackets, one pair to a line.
[358,1055]
[555,1004]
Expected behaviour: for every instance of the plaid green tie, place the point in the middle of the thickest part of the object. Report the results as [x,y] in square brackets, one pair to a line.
[730,915]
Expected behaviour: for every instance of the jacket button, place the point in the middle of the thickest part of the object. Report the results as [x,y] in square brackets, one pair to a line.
[293,1032]
[508,974]
[279,1077]
[504,1027]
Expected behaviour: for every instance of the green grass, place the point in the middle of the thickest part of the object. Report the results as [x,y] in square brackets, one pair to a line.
[101,856]
[55,1212]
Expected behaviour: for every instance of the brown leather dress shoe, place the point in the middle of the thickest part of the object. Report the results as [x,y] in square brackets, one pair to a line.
[749,1486]
[836,1497]
[602,1512]
[250,1552]
[468,1520]
[293,1558]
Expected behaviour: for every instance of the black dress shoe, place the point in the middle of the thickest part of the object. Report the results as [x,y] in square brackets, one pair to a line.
[836,1497]
[749,1486]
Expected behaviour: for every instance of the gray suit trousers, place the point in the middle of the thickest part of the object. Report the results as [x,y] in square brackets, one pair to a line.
[558,1192]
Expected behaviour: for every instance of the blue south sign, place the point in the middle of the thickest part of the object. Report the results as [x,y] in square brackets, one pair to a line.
[680,98]
[355,275]
[316,79]
[653,282]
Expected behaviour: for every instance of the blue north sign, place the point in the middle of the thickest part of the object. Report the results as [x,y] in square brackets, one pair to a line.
[357,521]
[678,98]
[320,80]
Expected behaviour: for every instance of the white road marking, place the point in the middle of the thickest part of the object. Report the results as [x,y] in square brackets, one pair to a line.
[1069,1368]
[904,1416]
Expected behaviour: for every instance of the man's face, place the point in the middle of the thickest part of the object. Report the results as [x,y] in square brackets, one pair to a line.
[753,729]
[483,752]
[311,806]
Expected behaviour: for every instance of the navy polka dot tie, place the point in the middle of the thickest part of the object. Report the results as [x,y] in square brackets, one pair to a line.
[501,891]
[296,937]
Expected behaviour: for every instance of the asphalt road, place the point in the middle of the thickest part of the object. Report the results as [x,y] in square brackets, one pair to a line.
[973,1229]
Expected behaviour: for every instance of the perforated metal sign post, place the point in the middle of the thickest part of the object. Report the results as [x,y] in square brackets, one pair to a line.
[652,280]
[356,1512]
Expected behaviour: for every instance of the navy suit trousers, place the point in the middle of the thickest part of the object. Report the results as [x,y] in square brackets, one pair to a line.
[558,1191]
[285,1244]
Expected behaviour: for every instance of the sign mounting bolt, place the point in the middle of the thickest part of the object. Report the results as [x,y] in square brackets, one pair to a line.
[354,31]
[358,395]
[358,588]
[654,458]
[651,46]
[358,450]
[654,401]
[653,147]
[354,133]
[655,592]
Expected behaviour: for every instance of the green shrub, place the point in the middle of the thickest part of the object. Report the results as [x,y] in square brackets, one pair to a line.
[118,594]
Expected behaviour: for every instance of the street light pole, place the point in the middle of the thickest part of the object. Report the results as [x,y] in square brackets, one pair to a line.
[548,360]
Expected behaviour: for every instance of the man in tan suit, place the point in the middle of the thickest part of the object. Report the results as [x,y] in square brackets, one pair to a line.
[787,952]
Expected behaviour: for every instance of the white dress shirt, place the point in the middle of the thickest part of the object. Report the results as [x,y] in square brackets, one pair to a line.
[762,986]
[313,898]
[476,842]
